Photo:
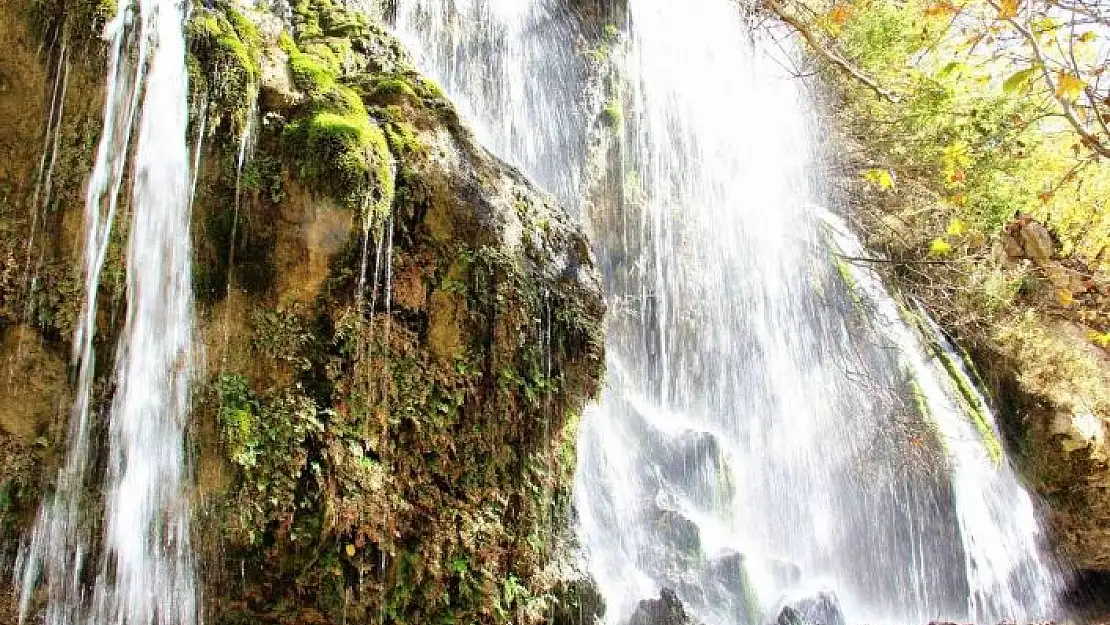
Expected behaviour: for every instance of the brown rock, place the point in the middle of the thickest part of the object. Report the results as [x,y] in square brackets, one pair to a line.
[1011,247]
[277,90]
[666,610]
[1036,242]
[32,384]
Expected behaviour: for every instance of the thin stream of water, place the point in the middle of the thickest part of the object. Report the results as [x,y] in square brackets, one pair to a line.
[142,560]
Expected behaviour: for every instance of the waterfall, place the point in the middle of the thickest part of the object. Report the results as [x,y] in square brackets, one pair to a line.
[141,562]
[775,425]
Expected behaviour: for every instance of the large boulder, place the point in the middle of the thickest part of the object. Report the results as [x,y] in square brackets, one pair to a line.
[666,610]
[821,608]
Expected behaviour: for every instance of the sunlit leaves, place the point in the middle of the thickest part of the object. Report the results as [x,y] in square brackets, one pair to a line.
[1019,80]
[1102,339]
[1068,86]
[839,14]
[837,17]
[1064,297]
[881,178]
[940,247]
[980,119]
[955,159]
[1007,9]
[954,70]
[940,9]
[956,227]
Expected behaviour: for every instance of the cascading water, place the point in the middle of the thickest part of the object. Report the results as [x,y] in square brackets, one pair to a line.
[772,424]
[142,565]
[515,66]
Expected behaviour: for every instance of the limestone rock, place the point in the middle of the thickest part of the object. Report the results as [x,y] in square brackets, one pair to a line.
[1025,237]
[1060,406]
[276,88]
[388,417]
[666,610]
[821,608]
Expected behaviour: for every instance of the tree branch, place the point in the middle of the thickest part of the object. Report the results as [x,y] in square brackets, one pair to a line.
[825,53]
[1095,143]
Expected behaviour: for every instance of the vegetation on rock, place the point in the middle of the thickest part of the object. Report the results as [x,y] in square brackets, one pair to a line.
[400,330]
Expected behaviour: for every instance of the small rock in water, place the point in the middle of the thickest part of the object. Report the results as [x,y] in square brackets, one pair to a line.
[819,609]
[666,610]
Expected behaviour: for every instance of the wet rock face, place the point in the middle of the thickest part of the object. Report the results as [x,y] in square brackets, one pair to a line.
[415,327]
[579,601]
[666,610]
[400,329]
[819,609]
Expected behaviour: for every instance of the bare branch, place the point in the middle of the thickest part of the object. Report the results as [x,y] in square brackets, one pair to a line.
[1090,140]
[829,55]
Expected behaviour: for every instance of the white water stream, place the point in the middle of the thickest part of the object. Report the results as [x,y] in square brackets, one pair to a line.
[140,566]
[772,426]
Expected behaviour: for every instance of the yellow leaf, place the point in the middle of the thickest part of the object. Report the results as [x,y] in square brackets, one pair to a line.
[1068,86]
[956,228]
[1019,80]
[839,14]
[1088,36]
[956,155]
[940,247]
[881,178]
[940,9]
[1007,9]
[1064,297]
[1102,339]
[350,551]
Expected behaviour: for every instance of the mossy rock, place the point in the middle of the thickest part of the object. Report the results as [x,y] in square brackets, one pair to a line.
[344,155]
[225,61]
[400,329]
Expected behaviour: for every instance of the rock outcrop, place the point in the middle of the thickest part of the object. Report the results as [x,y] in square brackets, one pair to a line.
[666,610]
[399,329]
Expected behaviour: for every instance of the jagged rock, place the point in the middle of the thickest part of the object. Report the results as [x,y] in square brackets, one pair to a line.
[578,601]
[1025,237]
[666,610]
[819,609]
[1066,278]
[276,89]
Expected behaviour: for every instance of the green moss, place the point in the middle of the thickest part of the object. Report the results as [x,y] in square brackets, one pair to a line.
[324,56]
[345,155]
[306,21]
[265,439]
[403,139]
[973,407]
[312,74]
[226,50]
[849,280]
[613,114]
[237,419]
[387,88]
[969,400]
[390,85]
